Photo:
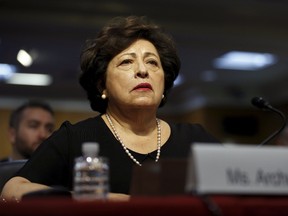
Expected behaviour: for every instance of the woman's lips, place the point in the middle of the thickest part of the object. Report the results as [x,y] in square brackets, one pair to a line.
[143,86]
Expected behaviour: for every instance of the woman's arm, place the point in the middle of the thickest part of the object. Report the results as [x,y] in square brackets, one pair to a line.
[118,197]
[17,186]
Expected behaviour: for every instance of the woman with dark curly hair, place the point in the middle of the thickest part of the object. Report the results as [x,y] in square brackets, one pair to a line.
[127,72]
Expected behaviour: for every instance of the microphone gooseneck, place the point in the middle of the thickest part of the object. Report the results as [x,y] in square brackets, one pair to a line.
[260,103]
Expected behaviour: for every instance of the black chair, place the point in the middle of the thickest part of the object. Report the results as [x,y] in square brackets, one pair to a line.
[8,169]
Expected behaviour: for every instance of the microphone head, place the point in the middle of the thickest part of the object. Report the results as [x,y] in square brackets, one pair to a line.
[260,103]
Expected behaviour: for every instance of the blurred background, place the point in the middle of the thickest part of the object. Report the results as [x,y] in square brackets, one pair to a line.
[231,51]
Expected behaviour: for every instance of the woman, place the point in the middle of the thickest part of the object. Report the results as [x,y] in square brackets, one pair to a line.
[127,72]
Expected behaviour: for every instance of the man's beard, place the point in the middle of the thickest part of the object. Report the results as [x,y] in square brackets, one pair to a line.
[24,151]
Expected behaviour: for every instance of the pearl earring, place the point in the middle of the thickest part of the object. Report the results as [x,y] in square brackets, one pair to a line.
[103,96]
[163,96]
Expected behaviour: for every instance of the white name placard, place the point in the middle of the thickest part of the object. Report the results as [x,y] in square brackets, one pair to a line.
[237,169]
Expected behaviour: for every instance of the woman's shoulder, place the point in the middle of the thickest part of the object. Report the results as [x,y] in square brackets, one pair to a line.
[85,123]
[194,131]
[85,127]
[91,128]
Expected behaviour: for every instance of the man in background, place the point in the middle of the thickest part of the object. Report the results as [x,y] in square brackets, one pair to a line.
[29,125]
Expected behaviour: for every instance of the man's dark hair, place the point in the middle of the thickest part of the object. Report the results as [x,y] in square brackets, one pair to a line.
[16,115]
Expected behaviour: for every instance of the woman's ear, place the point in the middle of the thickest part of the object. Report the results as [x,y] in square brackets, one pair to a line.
[100,86]
[102,90]
[104,95]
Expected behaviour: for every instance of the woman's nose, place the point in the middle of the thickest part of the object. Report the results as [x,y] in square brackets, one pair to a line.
[141,71]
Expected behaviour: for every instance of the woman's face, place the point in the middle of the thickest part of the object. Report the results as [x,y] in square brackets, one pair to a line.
[135,77]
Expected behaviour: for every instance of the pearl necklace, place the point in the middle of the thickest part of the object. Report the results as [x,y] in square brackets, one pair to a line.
[125,148]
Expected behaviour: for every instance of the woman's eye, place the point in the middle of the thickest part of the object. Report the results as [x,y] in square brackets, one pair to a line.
[126,61]
[125,64]
[153,62]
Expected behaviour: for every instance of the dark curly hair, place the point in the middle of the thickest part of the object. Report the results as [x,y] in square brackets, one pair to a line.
[115,37]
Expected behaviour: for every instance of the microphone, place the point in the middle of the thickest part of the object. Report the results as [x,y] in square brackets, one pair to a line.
[262,104]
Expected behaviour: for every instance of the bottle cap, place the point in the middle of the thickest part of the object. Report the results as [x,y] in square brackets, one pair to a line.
[90,149]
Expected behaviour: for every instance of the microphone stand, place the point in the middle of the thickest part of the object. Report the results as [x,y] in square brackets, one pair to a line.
[283,117]
[264,105]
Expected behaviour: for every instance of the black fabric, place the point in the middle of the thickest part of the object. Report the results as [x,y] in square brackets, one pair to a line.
[52,163]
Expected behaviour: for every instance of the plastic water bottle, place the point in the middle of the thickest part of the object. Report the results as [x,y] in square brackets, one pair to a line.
[91,174]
